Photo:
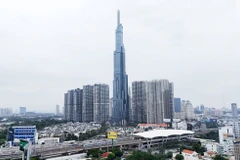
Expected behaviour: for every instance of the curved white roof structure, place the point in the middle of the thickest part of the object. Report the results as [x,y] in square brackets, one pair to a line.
[163,133]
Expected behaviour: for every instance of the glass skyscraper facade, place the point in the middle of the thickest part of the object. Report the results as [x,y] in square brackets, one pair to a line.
[177,104]
[120,83]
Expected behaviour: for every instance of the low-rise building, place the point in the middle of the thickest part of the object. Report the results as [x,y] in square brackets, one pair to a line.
[237,149]
[71,157]
[51,140]
[15,133]
[189,154]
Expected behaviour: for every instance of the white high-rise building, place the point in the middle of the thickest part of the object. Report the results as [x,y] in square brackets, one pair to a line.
[186,110]
[226,138]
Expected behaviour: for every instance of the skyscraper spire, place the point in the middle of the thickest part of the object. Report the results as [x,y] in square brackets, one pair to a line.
[118,17]
[120,115]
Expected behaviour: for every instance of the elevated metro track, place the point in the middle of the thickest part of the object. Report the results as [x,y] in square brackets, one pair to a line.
[66,149]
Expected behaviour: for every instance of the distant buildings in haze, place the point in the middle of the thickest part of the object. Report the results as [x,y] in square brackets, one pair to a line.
[22,110]
[234,110]
[186,109]
[6,112]
[57,110]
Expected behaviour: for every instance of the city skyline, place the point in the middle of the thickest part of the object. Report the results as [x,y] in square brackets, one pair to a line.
[47,49]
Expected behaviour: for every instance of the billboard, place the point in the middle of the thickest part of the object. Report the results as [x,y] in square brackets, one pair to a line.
[112,135]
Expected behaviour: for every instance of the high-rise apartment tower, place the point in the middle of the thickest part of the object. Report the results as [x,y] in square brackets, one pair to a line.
[100,103]
[152,101]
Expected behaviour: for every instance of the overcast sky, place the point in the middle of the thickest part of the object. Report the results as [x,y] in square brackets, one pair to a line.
[50,46]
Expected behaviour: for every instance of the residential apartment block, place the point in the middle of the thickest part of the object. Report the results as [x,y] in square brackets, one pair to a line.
[152,101]
[90,104]
[100,103]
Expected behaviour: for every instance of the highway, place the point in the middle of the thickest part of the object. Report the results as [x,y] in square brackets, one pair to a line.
[47,151]
[59,149]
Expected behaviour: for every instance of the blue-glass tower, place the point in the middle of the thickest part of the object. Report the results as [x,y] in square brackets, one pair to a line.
[120,83]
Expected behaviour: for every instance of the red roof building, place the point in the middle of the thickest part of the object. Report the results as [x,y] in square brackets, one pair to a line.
[105,155]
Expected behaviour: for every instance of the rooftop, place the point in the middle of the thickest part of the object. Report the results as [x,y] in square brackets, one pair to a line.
[163,133]
[188,151]
[155,125]
[23,126]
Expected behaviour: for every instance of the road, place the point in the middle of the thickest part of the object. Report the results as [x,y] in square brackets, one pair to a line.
[59,149]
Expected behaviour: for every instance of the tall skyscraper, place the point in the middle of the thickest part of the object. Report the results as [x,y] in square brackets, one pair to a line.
[234,110]
[120,82]
[100,103]
[177,104]
[152,101]
[57,110]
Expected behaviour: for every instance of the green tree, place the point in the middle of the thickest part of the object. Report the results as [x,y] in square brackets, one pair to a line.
[117,152]
[196,147]
[94,152]
[219,157]
[111,156]
[138,155]
[169,155]
[3,136]
[210,135]
[179,157]
[161,150]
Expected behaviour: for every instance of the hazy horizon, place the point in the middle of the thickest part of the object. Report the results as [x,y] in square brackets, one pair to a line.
[49,47]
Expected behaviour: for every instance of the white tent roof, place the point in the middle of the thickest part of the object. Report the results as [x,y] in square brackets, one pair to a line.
[162,133]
